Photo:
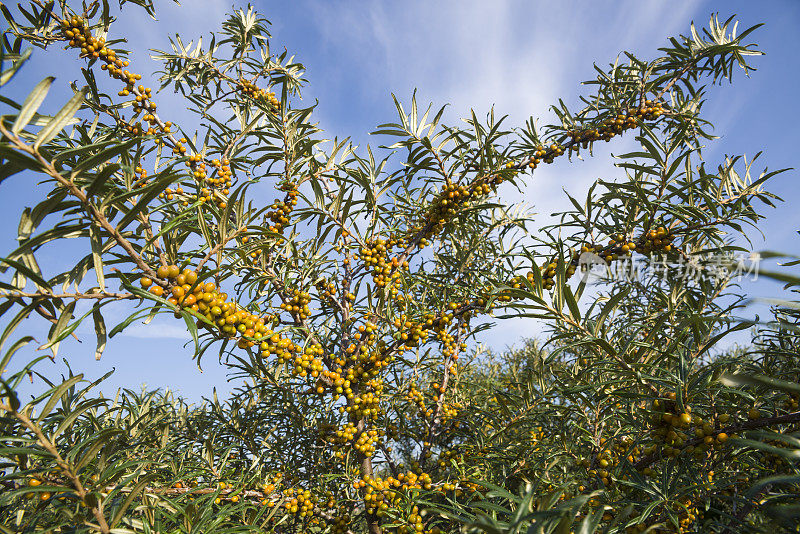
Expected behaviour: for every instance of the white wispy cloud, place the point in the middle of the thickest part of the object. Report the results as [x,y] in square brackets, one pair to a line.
[516,57]
[158,330]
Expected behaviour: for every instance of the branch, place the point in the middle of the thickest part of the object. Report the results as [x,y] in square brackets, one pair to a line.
[69,296]
[66,468]
[78,193]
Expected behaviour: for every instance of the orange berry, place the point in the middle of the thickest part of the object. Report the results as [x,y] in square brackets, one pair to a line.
[191,276]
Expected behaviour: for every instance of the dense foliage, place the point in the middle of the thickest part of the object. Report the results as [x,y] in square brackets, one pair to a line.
[348,305]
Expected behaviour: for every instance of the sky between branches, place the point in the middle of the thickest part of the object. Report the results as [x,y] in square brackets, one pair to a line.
[518,56]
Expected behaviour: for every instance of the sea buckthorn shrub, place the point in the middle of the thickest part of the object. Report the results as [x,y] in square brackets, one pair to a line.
[349,306]
[710,450]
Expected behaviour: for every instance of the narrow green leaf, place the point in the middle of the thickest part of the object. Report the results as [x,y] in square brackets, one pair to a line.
[100,330]
[591,522]
[14,323]
[740,380]
[101,439]
[137,489]
[13,400]
[14,348]
[23,268]
[9,73]
[97,260]
[25,225]
[55,396]
[572,304]
[61,330]
[190,324]
[608,308]
[61,119]
[31,104]
[68,420]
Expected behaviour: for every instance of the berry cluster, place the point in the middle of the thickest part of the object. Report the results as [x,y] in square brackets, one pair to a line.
[444,459]
[279,216]
[380,493]
[671,431]
[450,345]
[345,434]
[230,319]
[545,154]
[326,289]
[221,178]
[168,194]
[251,90]
[416,397]
[601,466]
[296,303]
[365,444]
[367,403]
[376,258]
[613,126]
[686,511]
[411,334]
[299,502]
[656,240]
[450,200]
[254,253]
[295,501]
[359,364]
[139,177]
[447,203]
[307,362]
[549,272]
[276,345]
[341,523]
[448,411]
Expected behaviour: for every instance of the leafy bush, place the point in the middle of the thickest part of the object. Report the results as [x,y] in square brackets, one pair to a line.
[347,306]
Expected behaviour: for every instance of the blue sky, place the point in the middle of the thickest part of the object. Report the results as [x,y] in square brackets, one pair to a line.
[519,57]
